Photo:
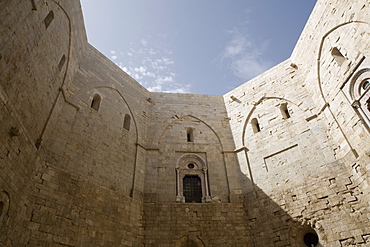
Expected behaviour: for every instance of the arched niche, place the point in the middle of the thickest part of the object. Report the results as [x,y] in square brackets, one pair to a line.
[172,143]
[188,124]
[340,52]
[267,156]
[95,103]
[92,133]
[37,63]
[113,107]
[189,241]
[307,235]
[343,86]
[270,112]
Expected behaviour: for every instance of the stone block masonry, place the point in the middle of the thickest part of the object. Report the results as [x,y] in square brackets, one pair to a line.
[88,157]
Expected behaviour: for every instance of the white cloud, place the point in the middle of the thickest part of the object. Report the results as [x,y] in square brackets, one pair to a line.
[249,66]
[156,88]
[144,42]
[137,77]
[244,57]
[140,69]
[177,90]
[236,46]
[152,66]
[151,74]
[164,79]
[167,61]
[157,65]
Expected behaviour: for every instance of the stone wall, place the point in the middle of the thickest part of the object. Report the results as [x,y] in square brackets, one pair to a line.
[72,210]
[314,163]
[195,225]
[61,160]
[34,56]
[171,115]
[88,157]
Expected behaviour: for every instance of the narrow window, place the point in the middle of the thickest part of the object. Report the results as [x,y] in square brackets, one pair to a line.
[284,110]
[61,62]
[189,135]
[33,5]
[192,189]
[255,125]
[338,56]
[95,103]
[49,18]
[126,122]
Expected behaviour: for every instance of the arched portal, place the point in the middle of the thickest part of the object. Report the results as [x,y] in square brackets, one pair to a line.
[192,179]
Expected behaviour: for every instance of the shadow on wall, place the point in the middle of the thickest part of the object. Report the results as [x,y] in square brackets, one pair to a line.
[257,222]
[269,224]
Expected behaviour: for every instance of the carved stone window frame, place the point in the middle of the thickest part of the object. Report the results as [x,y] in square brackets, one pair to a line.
[358,96]
[200,169]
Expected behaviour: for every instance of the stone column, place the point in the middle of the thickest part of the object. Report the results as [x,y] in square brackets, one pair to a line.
[179,197]
[206,198]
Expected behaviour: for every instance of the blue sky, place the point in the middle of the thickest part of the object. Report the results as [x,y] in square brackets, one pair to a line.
[195,46]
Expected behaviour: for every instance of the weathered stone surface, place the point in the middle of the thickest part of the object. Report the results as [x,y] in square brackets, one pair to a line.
[281,156]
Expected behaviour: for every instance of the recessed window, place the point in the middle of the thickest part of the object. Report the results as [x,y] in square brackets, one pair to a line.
[311,239]
[338,56]
[49,18]
[126,122]
[284,110]
[192,189]
[33,5]
[189,135]
[95,103]
[255,125]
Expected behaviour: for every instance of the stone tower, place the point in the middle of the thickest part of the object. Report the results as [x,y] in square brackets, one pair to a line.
[88,157]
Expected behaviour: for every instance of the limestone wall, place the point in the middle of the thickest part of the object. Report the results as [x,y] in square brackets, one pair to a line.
[317,157]
[95,143]
[195,225]
[345,28]
[88,157]
[34,54]
[61,160]
[171,115]
[339,69]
